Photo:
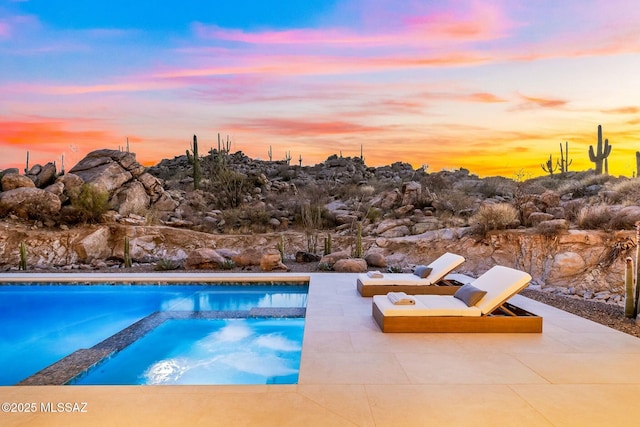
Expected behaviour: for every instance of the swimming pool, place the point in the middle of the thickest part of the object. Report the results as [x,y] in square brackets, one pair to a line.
[47,322]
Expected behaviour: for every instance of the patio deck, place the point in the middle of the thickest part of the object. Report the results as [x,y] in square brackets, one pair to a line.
[575,373]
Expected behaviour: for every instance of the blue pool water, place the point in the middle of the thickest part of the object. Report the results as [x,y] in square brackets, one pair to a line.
[43,323]
[237,351]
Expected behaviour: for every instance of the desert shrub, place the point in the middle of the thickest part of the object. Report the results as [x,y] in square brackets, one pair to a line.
[497,186]
[456,202]
[595,217]
[572,209]
[324,266]
[90,203]
[436,182]
[551,228]
[497,216]
[228,264]
[373,214]
[580,187]
[394,269]
[624,191]
[548,182]
[231,186]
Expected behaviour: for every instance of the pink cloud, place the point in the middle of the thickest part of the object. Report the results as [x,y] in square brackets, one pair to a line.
[479,22]
[293,127]
[5,29]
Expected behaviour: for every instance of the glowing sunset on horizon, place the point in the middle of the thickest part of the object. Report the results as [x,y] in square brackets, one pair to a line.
[491,86]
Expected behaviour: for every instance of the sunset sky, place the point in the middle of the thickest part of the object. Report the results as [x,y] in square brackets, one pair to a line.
[493,86]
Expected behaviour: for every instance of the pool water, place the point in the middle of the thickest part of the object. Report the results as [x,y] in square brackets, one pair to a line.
[46,322]
[237,351]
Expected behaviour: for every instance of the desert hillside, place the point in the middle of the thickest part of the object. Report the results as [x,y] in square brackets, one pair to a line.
[570,230]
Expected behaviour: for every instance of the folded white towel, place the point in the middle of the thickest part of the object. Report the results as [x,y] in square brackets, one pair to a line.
[400,298]
[375,274]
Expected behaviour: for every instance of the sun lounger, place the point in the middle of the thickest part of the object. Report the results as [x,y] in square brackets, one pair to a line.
[411,283]
[449,313]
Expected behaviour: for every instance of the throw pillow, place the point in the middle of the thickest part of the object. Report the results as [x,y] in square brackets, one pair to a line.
[469,294]
[422,271]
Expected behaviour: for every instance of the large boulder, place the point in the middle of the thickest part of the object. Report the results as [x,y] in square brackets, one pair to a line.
[46,175]
[203,259]
[248,257]
[131,198]
[29,202]
[94,245]
[411,192]
[350,265]
[108,169]
[272,260]
[11,181]
[152,185]
[330,259]
[376,259]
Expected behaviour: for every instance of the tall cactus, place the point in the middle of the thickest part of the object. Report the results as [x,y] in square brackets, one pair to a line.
[23,257]
[281,248]
[127,252]
[600,157]
[327,244]
[550,168]
[194,160]
[637,282]
[358,249]
[629,299]
[564,161]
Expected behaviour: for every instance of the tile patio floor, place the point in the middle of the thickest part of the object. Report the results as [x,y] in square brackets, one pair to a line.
[576,373]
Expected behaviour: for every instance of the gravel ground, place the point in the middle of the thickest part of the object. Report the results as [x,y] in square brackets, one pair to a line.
[606,314]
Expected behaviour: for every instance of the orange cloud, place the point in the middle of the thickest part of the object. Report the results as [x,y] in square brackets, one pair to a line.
[46,139]
[531,102]
[484,97]
[623,110]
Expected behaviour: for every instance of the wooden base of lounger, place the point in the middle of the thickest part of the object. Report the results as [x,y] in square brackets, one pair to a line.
[442,288]
[499,321]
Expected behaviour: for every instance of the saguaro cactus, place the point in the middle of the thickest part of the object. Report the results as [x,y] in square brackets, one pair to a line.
[600,157]
[281,248]
[358,249]
[23,257]
[194,160]
[637,289]
[564,161]
[550,168]
[127,254]
[327,244]
[629,297]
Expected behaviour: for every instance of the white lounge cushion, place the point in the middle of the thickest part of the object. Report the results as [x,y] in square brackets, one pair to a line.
[500,283]
[427,305]
[442,266]
[394,279]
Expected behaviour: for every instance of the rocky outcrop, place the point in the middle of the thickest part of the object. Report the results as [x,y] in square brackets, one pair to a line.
[29,202]
[11,181]
[350,265]
[204,259]
[272,260]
